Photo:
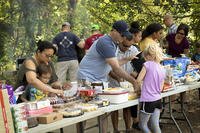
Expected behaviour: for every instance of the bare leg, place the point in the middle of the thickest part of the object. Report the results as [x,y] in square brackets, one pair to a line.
[114,118]
[103,123]
[127,118]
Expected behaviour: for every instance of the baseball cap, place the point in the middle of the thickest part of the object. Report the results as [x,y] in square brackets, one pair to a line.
[66,24]
[122,27]
[95,27]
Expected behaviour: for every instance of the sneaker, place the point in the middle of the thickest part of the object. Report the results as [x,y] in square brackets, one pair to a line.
[136,126]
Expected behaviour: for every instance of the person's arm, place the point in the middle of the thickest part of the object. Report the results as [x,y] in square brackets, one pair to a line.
[141,76]
[81,44]
[186,46]
[23,99]
[59,85]
[113,62]
[162,85]
[126,59]
[115,76]
[186,52]
[165,44]
[32,79]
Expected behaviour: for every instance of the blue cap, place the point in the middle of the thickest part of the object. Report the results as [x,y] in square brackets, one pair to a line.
[122,27]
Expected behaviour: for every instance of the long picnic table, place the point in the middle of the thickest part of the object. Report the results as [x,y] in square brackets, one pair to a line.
[41,128]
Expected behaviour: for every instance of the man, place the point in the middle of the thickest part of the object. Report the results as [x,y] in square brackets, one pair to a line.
[169,22]
[125,50]
[67,61]
[95,35]
[172,27]
[101,58]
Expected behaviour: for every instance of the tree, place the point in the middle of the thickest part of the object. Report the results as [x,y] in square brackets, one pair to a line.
[25,21]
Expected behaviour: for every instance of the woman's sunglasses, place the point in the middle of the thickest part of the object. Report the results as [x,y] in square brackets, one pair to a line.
[181,33]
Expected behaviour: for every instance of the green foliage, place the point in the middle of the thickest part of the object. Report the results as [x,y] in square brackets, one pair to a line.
[22,22]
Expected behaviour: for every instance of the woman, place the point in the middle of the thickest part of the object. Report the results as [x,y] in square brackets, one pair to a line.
[27,72]
[137,36]
[178,43]
[151,35]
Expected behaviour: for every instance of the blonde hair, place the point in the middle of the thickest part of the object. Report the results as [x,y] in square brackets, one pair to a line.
[154,51]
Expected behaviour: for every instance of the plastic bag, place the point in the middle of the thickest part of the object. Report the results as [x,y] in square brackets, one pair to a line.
[179,66]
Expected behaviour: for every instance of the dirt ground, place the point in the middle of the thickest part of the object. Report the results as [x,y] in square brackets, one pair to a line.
[192,111]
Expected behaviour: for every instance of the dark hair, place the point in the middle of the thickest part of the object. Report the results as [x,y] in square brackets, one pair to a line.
[183,27]
[44,69]
[135,27]
[42,45]
[150,29]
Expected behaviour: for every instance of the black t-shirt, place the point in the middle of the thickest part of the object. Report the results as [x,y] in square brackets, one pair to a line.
[66,42]
[137,64]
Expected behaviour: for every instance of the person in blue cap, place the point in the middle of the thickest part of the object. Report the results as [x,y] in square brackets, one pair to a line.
[102,58]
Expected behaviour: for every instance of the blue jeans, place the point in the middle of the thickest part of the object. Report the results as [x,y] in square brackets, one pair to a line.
[154,121]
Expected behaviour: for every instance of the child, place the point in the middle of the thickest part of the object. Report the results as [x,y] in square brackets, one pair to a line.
[44,74]
[196,56]
[152,75]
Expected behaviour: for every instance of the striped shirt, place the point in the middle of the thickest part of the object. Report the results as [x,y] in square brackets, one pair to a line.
[172,29]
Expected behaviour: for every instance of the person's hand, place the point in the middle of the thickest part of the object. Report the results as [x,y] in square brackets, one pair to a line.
[137,88]
[131,57]
[134,74]
[57,85]
[66,85]
[138,92]
[50,94]
[59,92]
[119,80]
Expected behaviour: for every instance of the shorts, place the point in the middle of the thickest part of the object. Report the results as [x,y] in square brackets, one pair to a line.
[149,107]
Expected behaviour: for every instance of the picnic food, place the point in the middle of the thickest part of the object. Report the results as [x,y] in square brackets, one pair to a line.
[71,112]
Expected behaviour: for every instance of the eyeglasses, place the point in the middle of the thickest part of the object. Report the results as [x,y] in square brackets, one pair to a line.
[48,56]
[126,46]
[181,33]
[128,37]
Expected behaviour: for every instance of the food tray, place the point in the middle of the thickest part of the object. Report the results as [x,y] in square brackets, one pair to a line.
[73,115]
[66,112]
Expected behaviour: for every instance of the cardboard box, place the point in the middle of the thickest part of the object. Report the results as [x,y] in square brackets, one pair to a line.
[6,121]
[49,118]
